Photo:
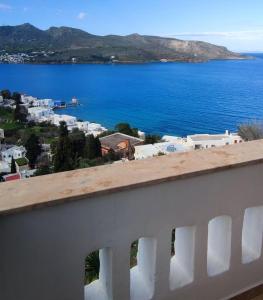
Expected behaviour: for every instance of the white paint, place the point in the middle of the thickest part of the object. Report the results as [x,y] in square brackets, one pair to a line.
[101,289]
[182,263]
[54,241]
[252,234]
[16,152]
[143,275]
[205,141]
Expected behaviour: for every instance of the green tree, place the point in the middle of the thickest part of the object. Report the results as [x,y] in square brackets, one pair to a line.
[152,139]
[33,149]
[13,165]
[92,267]
[43,170]
[98,147]
[6,94]
[125,128]
[78,142]
[17,97]
[93,147]
[63,159]
[20,112]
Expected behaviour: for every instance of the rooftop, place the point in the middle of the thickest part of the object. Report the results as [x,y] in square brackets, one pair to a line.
[85,183]
[206,137]
[114,139]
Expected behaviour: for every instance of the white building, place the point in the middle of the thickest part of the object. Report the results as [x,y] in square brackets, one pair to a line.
[39,114]
[1,99]
[90,128]
[147,151]
[95,129]
[173,139]
[141,134]
[171,147]
[205,141]
[2,134]
[83,126]
[16,152]
[28,99]
[4,167]
[44,103]
[69,120]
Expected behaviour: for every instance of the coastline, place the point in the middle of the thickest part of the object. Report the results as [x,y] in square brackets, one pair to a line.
[187,61]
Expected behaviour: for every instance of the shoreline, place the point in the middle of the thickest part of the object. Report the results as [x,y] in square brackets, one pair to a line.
[187,61]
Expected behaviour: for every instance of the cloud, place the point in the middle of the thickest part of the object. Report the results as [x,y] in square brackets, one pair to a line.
[4,6]
[231,35]
[82,15]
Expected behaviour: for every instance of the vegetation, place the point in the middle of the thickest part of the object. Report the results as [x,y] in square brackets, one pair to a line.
[6,94]
[43,170]
[13,165]
[93,147]
[33,149]
[152,139]
[63,153]
[20,112]
[92,267]
[125,128]
[63,43]
[251,131]
[21,161]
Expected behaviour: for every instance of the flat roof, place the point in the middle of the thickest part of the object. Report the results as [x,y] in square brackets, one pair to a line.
[45,191]
[207,137]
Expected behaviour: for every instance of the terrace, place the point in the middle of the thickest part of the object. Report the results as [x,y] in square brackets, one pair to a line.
[212,198]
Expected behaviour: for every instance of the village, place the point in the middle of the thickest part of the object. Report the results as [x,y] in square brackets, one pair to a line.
[123,144]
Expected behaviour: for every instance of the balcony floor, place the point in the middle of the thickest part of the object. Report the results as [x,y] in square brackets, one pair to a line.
[254,294]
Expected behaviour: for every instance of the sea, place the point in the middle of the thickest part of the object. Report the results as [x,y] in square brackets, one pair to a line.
[158,98]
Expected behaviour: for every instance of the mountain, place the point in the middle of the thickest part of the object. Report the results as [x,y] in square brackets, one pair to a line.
[62,44]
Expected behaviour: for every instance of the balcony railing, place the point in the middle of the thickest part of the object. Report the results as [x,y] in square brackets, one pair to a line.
[212,200]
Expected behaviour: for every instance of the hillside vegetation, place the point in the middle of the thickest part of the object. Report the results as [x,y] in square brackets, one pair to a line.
[62,44]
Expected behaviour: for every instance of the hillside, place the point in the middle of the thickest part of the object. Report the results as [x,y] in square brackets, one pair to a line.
[62,44]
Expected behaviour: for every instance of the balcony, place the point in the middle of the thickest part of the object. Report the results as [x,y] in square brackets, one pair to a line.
[211,200]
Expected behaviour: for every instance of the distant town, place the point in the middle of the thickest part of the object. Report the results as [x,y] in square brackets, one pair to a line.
[35,140]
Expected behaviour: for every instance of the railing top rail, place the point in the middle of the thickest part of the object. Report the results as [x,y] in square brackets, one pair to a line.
[58,188]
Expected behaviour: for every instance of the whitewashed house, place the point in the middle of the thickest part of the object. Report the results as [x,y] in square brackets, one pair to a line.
[39,114]
[173,139]
[171,147]
[4,167]
[205,141]
[95,129]
[83,126]
[2,134]
[70,120]
[16,152]
[44,103]
[147,151]
[28,99]
[141,134]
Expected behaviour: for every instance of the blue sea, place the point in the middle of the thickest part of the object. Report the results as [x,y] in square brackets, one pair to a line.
[162,98]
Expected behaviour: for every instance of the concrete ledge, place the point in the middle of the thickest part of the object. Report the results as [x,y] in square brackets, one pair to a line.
[81,184]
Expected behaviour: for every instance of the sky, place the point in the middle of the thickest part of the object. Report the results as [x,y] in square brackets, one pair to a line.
[236,24]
